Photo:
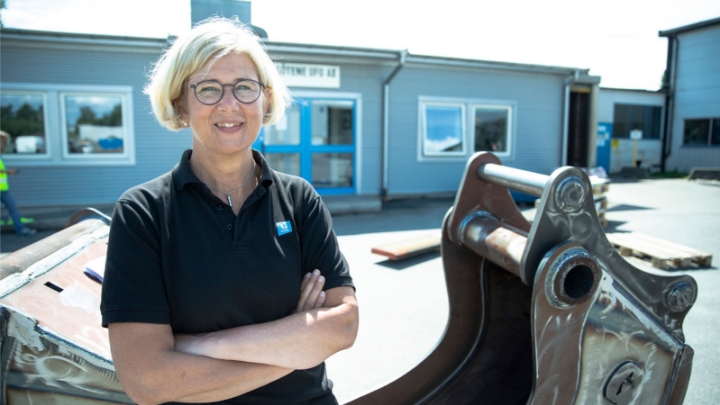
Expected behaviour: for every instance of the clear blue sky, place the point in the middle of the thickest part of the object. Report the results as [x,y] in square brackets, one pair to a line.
[616,39]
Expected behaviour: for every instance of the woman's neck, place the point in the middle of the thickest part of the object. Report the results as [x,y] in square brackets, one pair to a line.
[222,172]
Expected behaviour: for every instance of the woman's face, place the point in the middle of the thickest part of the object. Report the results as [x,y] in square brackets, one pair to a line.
[228,126]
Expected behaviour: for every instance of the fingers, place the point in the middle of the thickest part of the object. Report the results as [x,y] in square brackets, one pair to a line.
[311,293]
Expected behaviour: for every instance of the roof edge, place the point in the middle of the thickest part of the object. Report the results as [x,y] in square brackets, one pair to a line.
[289,47]
[689,27]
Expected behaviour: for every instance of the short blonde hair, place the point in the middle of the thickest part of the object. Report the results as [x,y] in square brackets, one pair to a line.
[211,38]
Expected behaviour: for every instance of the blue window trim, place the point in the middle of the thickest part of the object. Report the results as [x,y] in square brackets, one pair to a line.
[306,149]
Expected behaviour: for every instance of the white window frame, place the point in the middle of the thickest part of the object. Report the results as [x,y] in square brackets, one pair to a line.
[468,105]
[35,157]
[66,155]
[509,130]
[56,131]
[422,131]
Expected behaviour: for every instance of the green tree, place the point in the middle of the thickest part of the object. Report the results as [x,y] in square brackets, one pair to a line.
[25,121]
[87,116]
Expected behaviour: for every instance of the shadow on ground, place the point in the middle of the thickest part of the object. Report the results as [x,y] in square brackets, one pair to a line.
[408,262]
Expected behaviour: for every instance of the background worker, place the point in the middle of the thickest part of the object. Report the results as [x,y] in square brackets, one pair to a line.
[5,196]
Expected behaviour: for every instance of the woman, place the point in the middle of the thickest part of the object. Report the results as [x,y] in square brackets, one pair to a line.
[224,280]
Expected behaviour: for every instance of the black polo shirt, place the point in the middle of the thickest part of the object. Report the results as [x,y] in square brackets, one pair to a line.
[178,255]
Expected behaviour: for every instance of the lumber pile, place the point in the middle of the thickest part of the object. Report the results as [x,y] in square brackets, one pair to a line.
[660,253]
[409,247]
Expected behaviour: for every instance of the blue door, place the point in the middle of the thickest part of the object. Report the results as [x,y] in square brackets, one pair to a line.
[604,133]
[316,141]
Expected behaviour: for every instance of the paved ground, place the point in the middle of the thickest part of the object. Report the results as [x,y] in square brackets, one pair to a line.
[404,304]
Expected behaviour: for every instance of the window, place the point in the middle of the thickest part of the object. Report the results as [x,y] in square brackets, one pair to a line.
[67,124]
[630,117]
[22,116]
[443,130]
[492,128]
[702,132]
[92,124]
[447,132]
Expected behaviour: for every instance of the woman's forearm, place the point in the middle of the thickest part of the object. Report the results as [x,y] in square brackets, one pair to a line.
[299,341]
[152,372]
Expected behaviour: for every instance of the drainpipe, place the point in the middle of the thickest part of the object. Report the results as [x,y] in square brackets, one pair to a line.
[385,124]
[669,87]
[566,113]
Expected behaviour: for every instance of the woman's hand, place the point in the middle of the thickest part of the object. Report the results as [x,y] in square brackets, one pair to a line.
[311,294]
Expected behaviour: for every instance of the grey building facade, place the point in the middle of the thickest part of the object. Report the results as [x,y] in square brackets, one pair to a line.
[365,122]
[620,112]
[692,84]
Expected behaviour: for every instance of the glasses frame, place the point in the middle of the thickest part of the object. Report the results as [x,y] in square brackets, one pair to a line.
[222,91]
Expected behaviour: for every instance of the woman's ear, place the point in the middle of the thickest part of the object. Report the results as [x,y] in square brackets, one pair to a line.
[180,109]
[267,101]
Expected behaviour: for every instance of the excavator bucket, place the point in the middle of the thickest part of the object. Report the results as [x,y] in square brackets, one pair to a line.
[546,313]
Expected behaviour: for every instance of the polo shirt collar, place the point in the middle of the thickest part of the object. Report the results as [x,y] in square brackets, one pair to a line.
[182,174]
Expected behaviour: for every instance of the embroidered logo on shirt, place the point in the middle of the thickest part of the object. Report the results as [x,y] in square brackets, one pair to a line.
[283,228]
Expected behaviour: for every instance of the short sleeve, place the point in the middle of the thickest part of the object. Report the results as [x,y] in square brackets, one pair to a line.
[319,244]
[133,289]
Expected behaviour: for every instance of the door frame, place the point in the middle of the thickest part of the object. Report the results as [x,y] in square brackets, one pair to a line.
[356,98]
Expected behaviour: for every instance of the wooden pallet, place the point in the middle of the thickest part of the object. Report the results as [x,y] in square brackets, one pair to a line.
[600,186]
[410,247]
[662,254]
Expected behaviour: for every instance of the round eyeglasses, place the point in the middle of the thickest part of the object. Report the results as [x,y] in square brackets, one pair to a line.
[210,92]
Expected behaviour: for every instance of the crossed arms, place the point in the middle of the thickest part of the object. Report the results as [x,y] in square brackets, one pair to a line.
[155,366]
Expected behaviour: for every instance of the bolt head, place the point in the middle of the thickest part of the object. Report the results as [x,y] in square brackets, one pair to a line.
[681,296]
[570,194]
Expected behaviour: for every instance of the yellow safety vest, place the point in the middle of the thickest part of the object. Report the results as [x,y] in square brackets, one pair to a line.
[3,177]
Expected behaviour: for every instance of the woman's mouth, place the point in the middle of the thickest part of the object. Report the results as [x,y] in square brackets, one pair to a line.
[228,124]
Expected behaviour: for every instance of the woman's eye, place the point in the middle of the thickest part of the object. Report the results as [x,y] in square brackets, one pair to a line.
[242,87]
[209,89]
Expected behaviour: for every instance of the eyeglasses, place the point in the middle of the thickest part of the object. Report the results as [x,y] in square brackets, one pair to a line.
[210,92]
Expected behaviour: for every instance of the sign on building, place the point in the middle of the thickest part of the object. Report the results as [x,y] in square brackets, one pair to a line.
[306,75]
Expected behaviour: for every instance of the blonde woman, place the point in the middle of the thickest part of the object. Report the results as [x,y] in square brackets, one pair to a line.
[224,280]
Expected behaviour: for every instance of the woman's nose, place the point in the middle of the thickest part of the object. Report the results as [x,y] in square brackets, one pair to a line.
[228,100]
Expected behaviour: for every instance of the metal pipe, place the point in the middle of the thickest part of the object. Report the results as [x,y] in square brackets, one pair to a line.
[384,144]
[494,240]
[516,179]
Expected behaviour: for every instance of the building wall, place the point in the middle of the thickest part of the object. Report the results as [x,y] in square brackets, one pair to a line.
[622,150]
[156,150]
[697,95]
[536,99]
[538,115]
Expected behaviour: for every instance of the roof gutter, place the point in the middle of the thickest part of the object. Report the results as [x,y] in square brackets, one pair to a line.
[669,87]
[385,125]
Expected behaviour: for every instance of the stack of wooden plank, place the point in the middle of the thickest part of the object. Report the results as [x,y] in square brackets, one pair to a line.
[660,253]
[600,186]
[409,247]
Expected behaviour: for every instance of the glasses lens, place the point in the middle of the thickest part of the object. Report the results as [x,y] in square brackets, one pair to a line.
[247,91]
[209,92]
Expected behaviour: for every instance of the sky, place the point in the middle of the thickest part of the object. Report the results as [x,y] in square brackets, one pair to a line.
[616,39]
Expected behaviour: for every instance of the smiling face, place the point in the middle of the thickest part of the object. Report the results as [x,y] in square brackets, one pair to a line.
[228,127]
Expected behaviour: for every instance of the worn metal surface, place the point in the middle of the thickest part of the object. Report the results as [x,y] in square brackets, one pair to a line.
[53,347]
[602,331]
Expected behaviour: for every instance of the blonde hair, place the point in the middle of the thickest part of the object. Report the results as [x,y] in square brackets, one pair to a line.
[214,37]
